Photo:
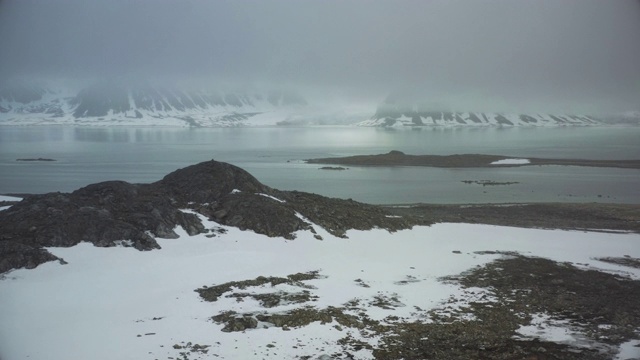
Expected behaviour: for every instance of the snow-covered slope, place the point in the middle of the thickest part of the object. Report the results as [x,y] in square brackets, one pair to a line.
[389,115]
[119,303]
[110,103]
[399,110]
[146,104]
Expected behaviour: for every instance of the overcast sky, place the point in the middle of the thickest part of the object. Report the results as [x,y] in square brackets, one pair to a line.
[543,55]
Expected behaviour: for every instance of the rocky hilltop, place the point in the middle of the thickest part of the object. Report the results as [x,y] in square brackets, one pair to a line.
[119,213]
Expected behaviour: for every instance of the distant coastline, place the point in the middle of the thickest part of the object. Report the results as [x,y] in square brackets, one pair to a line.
[36,159]
[398,158]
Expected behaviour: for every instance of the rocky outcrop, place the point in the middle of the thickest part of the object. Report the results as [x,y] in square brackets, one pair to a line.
[115,212]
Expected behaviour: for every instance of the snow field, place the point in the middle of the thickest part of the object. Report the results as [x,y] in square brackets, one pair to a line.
[121,303]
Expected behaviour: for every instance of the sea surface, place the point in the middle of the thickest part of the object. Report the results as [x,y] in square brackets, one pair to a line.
[275,155]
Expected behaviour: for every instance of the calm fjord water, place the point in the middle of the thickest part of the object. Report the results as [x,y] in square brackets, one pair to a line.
[274,155]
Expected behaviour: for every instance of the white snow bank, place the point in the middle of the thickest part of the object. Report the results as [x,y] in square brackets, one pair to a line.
[120,303]
[511,162]
[9,198]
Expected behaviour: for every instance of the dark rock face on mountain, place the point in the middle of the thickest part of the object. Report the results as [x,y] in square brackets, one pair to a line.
[99,99]
[396,111]
[21,93]
[126,101]
[115,212]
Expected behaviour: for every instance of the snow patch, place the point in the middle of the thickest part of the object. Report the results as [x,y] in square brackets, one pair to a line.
[545,328]
[629,350]
[124,243]
[271,197]
[511,162]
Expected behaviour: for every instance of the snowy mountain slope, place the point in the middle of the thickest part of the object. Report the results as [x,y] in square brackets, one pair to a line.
[110,103]
[406,109]
[146,104]
[389,115]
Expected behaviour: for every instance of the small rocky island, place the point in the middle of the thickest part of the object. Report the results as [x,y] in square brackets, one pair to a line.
[36,159]
[398,158]
[334,168]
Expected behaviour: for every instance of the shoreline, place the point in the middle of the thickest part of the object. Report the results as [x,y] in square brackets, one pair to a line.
[595,217]
[412,281]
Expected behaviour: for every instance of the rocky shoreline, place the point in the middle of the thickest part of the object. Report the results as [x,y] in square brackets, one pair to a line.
[498,303]
[107,213]
[398,158]
[119,213]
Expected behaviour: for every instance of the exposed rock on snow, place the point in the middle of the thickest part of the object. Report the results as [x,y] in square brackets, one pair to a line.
[414,118]
[108,212]
[116,102]
[399,112]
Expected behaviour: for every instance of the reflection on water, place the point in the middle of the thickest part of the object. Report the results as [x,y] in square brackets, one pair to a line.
[584,142]
[87,155]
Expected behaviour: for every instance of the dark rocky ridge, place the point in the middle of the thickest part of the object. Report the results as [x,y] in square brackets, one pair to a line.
[109,212]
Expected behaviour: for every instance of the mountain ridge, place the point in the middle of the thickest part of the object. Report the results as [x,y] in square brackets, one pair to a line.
[142,103]
[391,115]
[103,102]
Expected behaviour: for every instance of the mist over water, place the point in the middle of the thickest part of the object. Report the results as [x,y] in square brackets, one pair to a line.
[274,156]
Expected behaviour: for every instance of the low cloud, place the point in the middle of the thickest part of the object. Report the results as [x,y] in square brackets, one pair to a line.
[546,55]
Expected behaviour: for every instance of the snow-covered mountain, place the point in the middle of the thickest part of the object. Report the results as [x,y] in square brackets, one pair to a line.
[438,118]
[145,104]
[394,115]
[111,103]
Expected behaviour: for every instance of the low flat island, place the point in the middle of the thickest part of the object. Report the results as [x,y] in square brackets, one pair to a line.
[398,158]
